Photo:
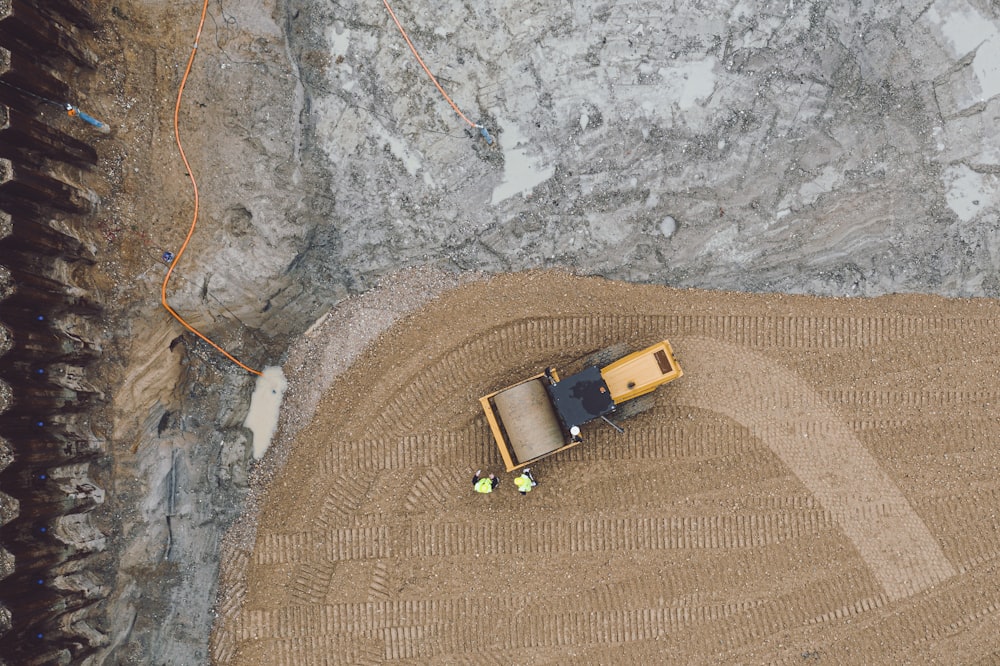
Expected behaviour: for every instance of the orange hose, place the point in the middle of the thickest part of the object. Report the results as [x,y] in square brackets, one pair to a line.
[194,220]
[421,61]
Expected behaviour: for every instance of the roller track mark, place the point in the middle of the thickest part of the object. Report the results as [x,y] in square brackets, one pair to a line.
[275,548]
[411,642]
[223,649]
[972,643]
[924,435]
[224,637]
[343,500]
[419,629]
[435,489]
[666,442]
[596,627]
[462,448]
[351,543]
[611,534]
[813,332]
[767,503]
[974,550]
[695,593]
[395,643]
[324,651]
[858,607]
[897,401]
[368,618]
[312,582]
[254,625]
[438,450]
[920,423]
[422,493]
[799,607]
[917,400]
[379,587]
[443,627]
[799,503]
[988,612]
[448,539]
[966,523]
[235,586]
[923,619]
[978,561]
[863,425]
[224,640]
[536,630]
[234,566]
[984,499]
[832,463]
[467,365]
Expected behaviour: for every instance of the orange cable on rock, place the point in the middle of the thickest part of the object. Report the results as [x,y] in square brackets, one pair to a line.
[413,48]
[194,220]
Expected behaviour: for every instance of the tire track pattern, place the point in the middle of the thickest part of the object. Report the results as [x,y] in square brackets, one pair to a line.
[421,629]
[584,535]
[838,490]
[470,362]
[833,464]
[450,450]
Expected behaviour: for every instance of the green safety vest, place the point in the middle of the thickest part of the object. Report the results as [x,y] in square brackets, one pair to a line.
[523,483]
[484,485]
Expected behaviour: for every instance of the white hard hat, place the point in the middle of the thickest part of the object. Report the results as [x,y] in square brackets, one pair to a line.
[575,430]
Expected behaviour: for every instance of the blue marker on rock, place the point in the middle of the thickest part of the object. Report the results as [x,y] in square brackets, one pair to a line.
[72,111]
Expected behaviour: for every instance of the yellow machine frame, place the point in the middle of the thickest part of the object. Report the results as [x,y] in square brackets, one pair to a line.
[641,372]
[629,377]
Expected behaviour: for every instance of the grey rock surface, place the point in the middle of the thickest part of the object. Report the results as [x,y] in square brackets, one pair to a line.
[824,147]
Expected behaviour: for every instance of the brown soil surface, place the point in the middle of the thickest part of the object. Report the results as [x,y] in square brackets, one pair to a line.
[820,485]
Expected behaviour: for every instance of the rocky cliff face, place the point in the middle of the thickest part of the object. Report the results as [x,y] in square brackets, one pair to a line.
[52,447]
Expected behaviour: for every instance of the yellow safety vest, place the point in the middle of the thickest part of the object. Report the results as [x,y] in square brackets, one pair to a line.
[484,485]
[523,483]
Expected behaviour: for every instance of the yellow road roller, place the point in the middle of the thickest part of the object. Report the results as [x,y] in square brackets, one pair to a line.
[544,414]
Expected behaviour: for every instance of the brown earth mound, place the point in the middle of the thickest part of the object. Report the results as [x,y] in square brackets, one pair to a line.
[821,484]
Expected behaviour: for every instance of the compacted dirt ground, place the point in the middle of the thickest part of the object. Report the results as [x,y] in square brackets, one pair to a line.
[820,485]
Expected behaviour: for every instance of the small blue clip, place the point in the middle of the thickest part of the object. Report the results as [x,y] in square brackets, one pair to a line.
[486,135]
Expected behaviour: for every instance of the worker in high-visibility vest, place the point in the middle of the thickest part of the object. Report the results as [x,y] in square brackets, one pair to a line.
[483,484]
[525,482]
